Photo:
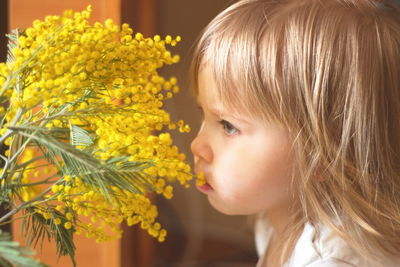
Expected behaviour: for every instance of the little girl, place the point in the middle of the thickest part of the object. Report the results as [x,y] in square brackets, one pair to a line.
[301,104]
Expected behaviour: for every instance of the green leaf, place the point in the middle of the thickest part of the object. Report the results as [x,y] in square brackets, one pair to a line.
[101,177]
[11,253]
[36,228]
[12,43]
[80,137]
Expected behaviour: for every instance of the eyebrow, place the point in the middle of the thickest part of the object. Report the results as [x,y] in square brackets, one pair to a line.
[218,113]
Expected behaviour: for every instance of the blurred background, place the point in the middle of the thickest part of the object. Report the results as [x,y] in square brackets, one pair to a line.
[197,234]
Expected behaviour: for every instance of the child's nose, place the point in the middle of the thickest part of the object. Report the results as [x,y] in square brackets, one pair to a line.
[201,148]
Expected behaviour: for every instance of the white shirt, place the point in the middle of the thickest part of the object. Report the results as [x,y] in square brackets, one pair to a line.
[333,251]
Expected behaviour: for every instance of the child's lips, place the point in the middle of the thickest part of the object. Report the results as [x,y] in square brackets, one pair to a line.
[205,188]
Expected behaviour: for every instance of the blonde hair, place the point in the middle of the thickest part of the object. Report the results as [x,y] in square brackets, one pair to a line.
[329,71]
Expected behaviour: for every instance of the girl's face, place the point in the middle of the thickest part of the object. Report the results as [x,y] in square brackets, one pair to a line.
[247,163]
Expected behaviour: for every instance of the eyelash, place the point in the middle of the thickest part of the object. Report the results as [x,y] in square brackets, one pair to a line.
[225,124]
[228,127]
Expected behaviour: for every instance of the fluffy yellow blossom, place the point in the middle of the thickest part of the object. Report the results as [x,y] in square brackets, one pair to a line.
[68,225]
[96,87]
[200,179]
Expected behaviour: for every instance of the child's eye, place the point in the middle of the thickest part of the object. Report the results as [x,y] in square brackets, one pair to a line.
[228,127]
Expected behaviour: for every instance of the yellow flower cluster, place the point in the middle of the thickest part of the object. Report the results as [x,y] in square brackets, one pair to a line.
[73,197]
[31,172]
[27,189]
[201,180]
[102,78]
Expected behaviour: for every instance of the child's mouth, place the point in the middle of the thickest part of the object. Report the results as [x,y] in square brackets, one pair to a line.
[205,188]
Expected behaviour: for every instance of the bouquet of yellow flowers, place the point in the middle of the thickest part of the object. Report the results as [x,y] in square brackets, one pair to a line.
[83,123]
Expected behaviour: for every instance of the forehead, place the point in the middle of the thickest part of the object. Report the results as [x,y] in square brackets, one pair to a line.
[207,88]
[209,94]
[231,98]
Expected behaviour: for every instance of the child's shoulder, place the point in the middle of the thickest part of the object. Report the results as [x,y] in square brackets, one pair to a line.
[327,250]
[312,250]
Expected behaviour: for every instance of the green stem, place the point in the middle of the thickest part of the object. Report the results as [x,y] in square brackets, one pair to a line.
[15,218]
[9,132]
[45,181]
[19,166]
[10,78]
[16,154]
[50,118]
[24,205]
[35,167]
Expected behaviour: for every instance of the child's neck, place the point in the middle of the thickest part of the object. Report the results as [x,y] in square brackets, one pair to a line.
[273,253]
[279,218]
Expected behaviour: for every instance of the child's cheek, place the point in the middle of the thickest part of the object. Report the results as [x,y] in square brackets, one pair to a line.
[230,175]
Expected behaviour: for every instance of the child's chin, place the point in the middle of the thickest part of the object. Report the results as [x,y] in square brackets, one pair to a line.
[225,209]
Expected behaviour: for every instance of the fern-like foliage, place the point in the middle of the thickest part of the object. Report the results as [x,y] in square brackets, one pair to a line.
[118,173]
[80,137]
[36,228]
[12,254]
[12,43]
